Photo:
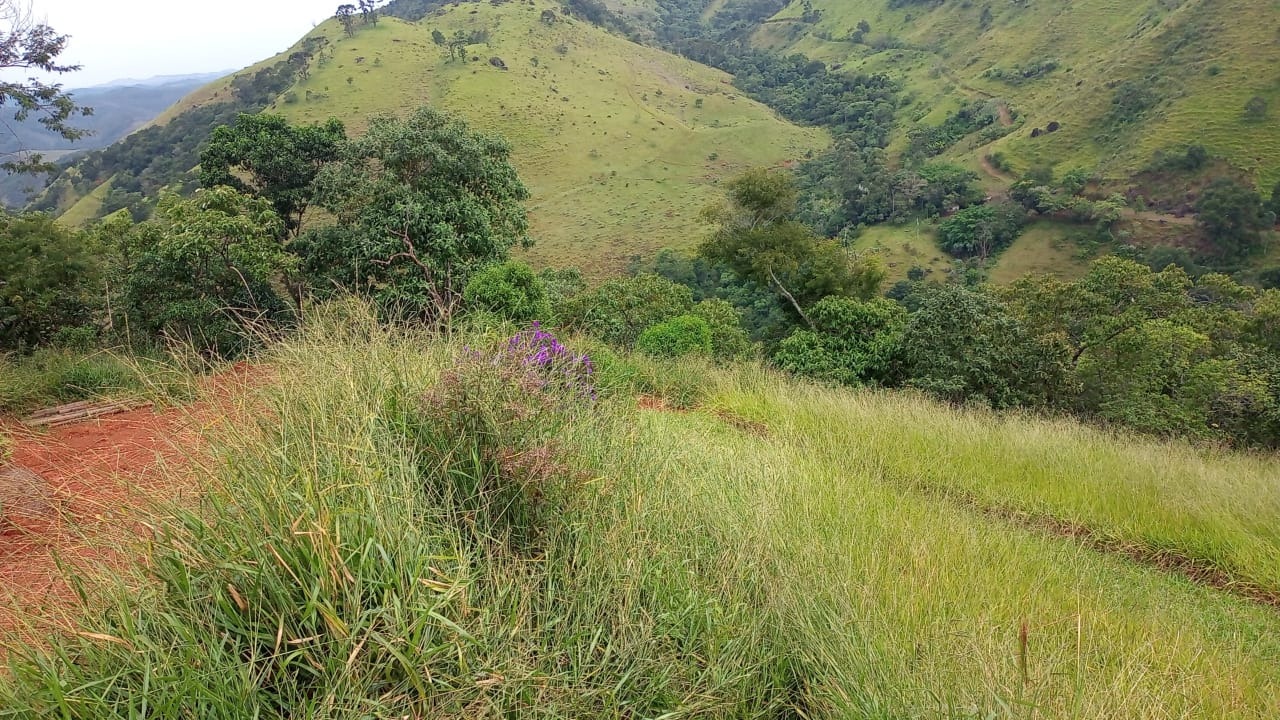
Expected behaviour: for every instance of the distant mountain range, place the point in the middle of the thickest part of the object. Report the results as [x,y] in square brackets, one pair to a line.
[119,108]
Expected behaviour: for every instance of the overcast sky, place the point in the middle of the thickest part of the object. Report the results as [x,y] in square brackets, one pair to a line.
[116,39]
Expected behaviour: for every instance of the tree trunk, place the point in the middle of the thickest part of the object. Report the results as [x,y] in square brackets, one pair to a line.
[792,299]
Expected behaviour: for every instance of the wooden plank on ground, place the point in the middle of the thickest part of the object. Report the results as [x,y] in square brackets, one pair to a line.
[90,411]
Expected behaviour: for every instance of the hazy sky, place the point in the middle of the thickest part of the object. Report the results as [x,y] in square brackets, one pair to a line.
[116,39]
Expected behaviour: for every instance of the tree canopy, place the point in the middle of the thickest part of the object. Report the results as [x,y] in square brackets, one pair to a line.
[419,205]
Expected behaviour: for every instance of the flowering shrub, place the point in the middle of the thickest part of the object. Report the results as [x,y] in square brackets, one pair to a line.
[559,369]
[503,411]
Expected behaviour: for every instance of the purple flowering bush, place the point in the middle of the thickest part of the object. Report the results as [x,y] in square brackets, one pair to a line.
[495,419]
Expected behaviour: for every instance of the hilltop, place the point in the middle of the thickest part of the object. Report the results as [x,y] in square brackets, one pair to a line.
[621,145]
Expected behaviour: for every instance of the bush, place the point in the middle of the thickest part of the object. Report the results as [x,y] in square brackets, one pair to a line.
[677,337]
[729,341]
[509,290]
[852,342]
[982,231]
[622,308]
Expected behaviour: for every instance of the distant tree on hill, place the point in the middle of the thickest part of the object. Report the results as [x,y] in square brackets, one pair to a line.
[1231,215]
[437,37]
[27,45]
[346,15]
[368,12]
[1256,108]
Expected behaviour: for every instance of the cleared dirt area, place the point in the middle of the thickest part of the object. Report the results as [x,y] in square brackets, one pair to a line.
[89,490]
[90,479]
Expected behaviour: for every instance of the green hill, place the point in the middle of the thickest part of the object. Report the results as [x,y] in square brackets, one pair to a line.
[621,145]
[1121,79]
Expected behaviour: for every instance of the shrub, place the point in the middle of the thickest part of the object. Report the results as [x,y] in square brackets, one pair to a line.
[981,231]
[677,337]
[509,290]
[506,405]
[622,308]
[728,338]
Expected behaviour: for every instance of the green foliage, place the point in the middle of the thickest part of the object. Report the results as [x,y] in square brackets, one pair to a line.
[621,308]
[508,290]
[981,231]
[419,205]
[203,270]
[1154,351]
[729,341]
[964,346]
[681,335]
[853,342]
[757,242]
[48,280]
[927,141]
[265,156]
[1232,216]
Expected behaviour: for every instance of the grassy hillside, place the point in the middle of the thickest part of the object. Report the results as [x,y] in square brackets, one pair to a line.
[1185,69]
[621,145]
[778,550]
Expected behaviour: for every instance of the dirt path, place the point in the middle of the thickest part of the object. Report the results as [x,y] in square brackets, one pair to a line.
[98,479]
[95,475]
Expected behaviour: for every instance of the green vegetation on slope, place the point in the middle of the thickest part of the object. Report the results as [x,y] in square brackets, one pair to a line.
[1122,80]
[357,552]
[620,145]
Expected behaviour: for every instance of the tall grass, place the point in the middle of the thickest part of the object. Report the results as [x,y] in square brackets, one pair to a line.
[1218,508]
[54,375]
[404,533]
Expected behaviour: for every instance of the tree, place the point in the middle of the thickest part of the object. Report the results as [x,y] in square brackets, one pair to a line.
[620,309]
[437,37]
[368,12]
[758,242]
[204,269]
[963,345]
[853,342]
[1231,215]
[419,205]
[1256,108]
[265,156]
[47,280]
[981,231]
[346,15]
[28,45]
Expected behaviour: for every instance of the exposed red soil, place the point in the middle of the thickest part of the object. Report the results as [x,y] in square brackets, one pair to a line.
[103,476]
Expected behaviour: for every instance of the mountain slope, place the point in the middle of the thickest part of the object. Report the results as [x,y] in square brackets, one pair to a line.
[1121,79]
[620,144]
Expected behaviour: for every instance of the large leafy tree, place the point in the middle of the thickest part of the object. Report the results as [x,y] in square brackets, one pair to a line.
[758,241]
[47,280]
[264,155]
[419,205]
[27,45]
[203,269]
[963,345]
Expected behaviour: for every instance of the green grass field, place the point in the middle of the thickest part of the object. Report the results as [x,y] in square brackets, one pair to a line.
[621,145]
[1205,58]
[781,550]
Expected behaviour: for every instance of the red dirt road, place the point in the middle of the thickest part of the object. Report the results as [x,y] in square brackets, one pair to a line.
[97,474]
